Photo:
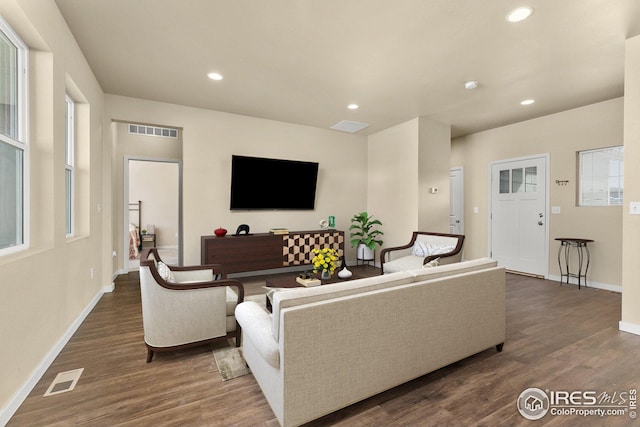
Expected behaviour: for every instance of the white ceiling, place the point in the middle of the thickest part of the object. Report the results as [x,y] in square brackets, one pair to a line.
[304,61]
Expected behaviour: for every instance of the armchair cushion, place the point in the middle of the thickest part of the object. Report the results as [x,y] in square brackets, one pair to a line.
[232,301]
[406,263]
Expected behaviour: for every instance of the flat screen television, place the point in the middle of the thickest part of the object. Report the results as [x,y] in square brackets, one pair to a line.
[259,183]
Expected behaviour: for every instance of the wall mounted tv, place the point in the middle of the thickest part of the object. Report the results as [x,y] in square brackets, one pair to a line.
[270,184]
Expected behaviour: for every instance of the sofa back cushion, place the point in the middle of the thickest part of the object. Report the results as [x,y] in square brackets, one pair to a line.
[300,296]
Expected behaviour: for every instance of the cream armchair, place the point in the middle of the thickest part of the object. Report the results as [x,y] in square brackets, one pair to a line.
[423,248]
[186,306]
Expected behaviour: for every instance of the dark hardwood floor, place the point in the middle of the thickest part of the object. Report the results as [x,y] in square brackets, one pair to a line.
[558,338]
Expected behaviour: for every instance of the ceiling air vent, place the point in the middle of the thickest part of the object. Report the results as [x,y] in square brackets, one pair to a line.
[153,131]
[349,126]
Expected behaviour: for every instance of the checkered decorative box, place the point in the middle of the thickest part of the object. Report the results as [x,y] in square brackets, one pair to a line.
[297,247]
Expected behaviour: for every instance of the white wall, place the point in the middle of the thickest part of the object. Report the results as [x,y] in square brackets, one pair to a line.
[631,223]
[561,135]
[392,193]
[155,184]
[434,172]
[45,290]
[210,138]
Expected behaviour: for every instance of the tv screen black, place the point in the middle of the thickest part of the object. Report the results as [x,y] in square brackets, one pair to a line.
[261,183]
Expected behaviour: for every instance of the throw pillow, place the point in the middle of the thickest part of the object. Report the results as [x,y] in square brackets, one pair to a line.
[435,249]
[420,249]
[432,263]
[165,272]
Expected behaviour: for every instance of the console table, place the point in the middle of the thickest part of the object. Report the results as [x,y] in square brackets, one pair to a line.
[264,251]
[566,243]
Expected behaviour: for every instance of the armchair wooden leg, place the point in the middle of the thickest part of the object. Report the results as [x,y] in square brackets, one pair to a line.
[499,347]
[238,335]
[149,354]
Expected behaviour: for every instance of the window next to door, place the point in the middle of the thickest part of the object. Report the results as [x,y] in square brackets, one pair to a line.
[601,177]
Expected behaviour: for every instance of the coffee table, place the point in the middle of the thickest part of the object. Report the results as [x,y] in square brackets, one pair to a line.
[289,281]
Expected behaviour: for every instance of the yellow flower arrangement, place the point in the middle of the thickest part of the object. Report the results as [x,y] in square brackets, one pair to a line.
[324,260]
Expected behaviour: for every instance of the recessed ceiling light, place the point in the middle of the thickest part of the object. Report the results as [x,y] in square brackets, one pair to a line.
[519,14]
[353,106]
[471,84]
[215,76]
[527,102]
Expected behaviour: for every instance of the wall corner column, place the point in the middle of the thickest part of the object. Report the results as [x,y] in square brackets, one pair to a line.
[630,317]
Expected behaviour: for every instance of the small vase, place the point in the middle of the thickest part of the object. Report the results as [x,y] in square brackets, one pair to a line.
[325,275]
[344,273]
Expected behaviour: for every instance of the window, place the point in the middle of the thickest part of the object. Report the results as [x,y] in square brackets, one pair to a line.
[69,165]
[519,180]
[14,158]
[601,177]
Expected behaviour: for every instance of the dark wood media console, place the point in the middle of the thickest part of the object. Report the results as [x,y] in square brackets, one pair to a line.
[266,251]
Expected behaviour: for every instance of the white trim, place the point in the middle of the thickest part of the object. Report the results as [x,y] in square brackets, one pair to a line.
[590,284]
[632,328]
[19,397]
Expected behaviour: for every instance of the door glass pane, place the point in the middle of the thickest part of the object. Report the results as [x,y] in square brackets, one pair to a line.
[530,179]
[516,180]
[10,196]
[504,181]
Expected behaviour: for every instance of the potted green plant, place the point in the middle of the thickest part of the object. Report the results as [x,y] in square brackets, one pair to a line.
[365,235]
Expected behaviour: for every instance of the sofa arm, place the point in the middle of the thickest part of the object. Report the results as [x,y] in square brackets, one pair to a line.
[256,325]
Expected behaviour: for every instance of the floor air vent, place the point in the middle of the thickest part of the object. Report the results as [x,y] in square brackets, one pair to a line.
[64,381]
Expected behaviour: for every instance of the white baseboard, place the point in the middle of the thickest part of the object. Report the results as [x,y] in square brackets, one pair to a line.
[629,327]
[19,397]
[590,284]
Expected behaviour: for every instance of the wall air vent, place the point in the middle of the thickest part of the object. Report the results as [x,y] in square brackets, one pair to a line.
[349,126]
[153,131]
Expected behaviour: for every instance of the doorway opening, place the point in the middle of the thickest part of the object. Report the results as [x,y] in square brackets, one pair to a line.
[153,209]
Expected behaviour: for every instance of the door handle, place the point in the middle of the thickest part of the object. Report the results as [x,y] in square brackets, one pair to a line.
[457,221]
[540,223]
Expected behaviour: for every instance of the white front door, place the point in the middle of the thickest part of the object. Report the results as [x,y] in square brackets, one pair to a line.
[519,215]
[456,206]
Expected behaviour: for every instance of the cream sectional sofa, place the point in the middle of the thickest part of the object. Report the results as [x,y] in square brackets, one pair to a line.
[327,347]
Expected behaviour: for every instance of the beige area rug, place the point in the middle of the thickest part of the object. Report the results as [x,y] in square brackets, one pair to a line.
[230,361]
[228,357]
